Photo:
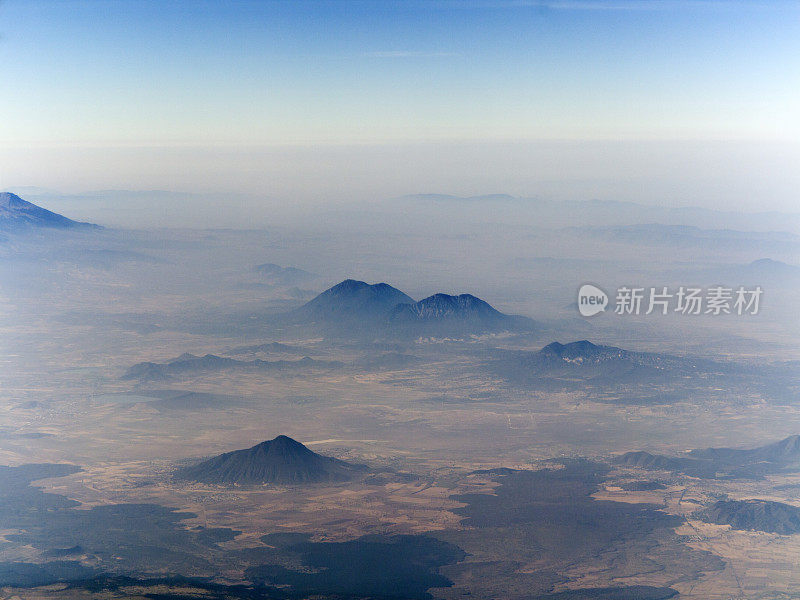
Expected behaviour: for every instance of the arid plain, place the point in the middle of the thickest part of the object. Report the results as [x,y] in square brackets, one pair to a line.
[496,461]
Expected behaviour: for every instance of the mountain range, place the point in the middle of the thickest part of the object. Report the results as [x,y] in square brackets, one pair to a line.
[17,214]
[281,461]
[711,463]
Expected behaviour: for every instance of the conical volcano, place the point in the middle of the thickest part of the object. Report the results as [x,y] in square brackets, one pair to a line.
[280,461]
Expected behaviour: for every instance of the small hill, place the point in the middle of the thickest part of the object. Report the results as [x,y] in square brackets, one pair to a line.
[754,515]
[281,461]
[17,214]
[768,267]
[583,350]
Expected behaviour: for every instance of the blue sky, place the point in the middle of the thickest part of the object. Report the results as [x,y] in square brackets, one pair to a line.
[108,73]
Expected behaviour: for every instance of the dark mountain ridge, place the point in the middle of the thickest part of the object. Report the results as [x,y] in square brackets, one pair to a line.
[282,461]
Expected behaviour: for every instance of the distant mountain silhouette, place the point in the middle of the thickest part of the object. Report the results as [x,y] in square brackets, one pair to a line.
[281,461]
[591,213]
[754,515]
[443,314]
[288,276]
[18,214]
[767,271]
[782,456]
[762,272]
[773,267]
[380,310]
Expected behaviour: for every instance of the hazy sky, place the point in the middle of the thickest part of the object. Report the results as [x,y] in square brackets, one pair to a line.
[199,82]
